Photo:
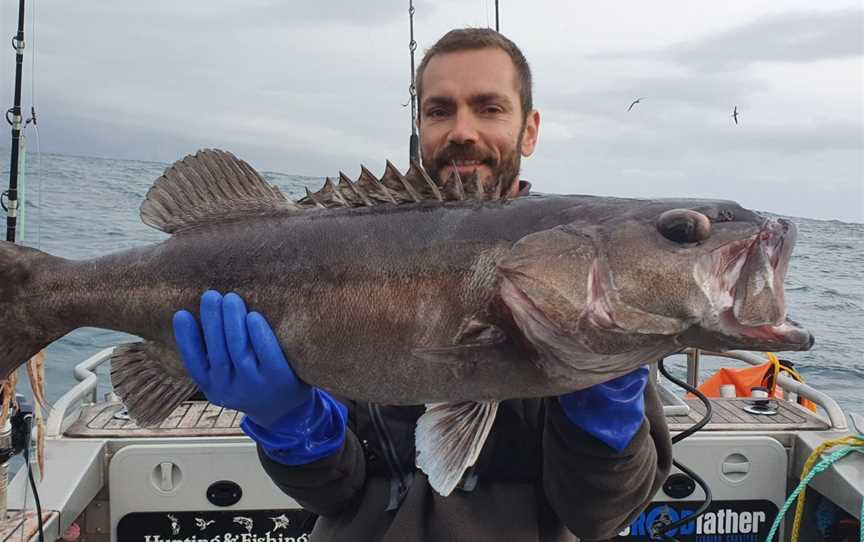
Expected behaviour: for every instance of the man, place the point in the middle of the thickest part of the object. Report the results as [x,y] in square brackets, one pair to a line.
[583,464]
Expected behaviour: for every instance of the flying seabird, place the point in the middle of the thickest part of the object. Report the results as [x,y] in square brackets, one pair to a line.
[636,101]
[735,114]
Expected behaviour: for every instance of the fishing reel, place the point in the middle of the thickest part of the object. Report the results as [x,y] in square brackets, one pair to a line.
[14,438]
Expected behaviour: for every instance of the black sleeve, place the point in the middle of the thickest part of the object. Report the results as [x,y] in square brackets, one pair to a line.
[595,490]
[326,486]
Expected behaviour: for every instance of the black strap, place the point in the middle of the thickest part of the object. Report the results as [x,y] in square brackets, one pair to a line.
[399,481]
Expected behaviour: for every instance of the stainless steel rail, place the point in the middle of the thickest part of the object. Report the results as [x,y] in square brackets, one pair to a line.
[85,373]
[835,414]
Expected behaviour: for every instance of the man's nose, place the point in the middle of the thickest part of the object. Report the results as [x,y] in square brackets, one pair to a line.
[464,129]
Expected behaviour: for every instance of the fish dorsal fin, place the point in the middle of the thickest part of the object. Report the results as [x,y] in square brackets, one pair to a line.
[209,186]
[395,188]
[424,184]
[397,183]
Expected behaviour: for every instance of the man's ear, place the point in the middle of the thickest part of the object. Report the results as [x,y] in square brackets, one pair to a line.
[530,133]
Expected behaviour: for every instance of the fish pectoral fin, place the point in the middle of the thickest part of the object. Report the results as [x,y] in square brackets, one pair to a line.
[148,390]
[478,332]
[477,342]
[449,438]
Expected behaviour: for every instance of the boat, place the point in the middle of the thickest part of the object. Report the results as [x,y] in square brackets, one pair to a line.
[197,477]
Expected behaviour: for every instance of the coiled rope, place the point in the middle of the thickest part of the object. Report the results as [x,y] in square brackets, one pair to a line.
[850,444]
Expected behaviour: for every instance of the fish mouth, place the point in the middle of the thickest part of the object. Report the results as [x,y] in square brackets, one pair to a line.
[748,294]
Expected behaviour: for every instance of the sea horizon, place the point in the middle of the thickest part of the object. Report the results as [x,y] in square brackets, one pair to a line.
[322,177]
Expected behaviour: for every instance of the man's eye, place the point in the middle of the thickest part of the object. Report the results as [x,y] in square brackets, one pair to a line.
[492,109]
[436,113]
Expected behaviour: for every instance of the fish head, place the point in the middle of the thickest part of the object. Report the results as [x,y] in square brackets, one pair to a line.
[715,267]
[705,274]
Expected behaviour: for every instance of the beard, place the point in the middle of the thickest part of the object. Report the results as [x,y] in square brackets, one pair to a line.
[505,170]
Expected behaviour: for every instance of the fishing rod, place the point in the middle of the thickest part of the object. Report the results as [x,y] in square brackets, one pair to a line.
[497,27]
[15,436]
[13,117]
[413,141]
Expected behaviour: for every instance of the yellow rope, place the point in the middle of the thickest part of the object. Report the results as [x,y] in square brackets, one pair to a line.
[799,507]
[778,368]
[8,390]
[36,376]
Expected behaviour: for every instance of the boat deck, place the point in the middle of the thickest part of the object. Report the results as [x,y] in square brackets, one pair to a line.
[23,525]
[728,414]
[200,418]
[190,419]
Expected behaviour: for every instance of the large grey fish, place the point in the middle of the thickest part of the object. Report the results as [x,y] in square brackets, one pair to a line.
[401,292]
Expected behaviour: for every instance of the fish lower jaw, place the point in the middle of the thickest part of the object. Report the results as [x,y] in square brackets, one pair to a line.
[770,336]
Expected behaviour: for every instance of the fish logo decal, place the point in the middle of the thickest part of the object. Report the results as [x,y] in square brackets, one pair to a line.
[245,522]
[280,522]
[202,524]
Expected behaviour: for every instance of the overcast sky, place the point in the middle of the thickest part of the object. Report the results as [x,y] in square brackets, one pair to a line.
[312,88]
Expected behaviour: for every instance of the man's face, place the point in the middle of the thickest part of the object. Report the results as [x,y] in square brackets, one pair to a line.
[471,114]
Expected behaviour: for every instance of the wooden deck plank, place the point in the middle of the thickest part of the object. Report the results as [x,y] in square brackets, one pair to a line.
[105,415]
[116,424]
[193,415]
[728,415]
[790,415]
[226,418]
[210,415]
[173,420]
[199,418]
[192,418]
[20,525]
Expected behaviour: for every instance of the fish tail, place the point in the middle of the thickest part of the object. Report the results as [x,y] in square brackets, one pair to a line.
[21,334]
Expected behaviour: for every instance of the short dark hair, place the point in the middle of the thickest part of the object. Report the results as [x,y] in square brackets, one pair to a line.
[463,39]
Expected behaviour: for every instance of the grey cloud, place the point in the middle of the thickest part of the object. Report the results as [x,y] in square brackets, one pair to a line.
[310,89]
[249,14]
[342,11]
[79,134]
[789,37]
[658,94]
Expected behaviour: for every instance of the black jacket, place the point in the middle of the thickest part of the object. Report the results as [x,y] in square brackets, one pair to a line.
[539,478]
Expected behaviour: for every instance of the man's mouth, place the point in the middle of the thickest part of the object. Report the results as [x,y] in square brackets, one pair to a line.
[464,168]
[466,163]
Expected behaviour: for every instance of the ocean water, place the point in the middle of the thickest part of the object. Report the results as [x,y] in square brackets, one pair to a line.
[82,207]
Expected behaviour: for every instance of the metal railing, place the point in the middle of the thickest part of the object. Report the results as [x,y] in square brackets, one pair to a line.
[88,380]
[835,414]
[85,373]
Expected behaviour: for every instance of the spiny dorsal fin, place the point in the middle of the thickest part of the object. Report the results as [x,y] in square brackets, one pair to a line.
[314,198]
[329,191]
[373,187]
[425,185]
[395,188]
[399,184]
[346,186]
[209,186]
[453,188]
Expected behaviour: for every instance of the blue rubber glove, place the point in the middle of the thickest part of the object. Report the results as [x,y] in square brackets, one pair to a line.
[240,365]
[612,411]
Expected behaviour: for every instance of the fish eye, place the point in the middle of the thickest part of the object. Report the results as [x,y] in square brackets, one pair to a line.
[684,226]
